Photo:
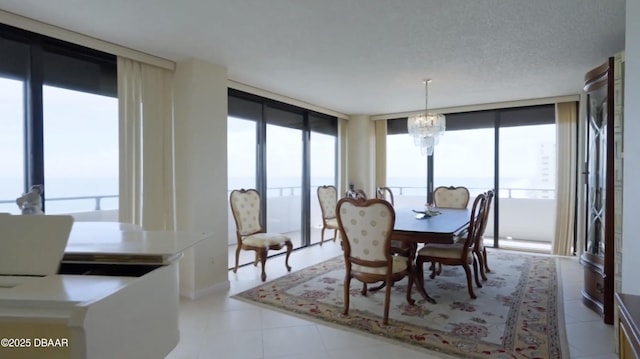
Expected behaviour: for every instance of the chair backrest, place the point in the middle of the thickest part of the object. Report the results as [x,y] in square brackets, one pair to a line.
[366,228]
[485,217]
[328,198]
[489,199]
[245,206]
[451,197]
[476,222]
[385,193]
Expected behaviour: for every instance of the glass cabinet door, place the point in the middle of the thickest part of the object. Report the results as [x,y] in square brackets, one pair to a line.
[596,171]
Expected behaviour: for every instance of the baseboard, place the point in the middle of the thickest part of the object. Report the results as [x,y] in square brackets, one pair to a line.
[199,293]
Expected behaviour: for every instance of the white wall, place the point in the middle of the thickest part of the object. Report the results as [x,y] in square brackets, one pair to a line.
[631,191]
[201,172]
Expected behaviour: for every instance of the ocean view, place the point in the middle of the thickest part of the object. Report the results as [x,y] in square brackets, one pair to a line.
[11,188]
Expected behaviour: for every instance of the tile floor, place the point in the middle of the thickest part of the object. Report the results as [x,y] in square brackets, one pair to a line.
[217,326]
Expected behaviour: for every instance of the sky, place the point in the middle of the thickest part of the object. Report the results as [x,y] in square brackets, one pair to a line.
[73,120]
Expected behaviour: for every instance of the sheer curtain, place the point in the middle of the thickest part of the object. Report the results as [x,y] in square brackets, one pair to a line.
[147,186]
[566,167]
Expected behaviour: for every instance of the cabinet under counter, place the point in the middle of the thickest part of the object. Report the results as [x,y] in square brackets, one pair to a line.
[629,325]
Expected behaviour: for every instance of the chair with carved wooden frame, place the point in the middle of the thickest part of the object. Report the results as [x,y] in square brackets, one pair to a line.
[385,193]
[245,206]
[328,198]
[479,249]
[457,253]
[451,197]
[365,227]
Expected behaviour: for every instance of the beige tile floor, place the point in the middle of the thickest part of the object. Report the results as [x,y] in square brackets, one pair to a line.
[217,326]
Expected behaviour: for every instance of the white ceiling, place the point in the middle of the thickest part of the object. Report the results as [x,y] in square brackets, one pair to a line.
[365,56]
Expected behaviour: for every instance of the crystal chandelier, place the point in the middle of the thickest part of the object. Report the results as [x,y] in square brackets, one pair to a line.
[426,128]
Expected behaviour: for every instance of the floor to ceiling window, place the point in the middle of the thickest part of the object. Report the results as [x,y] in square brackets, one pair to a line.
[323,144]
[284,152]
[66,138]
[512,150]
[406,167]
[11,141]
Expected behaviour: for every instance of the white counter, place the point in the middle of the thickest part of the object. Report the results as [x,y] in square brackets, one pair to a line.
[100,316]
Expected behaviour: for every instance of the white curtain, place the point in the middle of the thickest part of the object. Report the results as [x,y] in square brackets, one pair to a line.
[566,167]
[147,190]
[381,153]
[343,137]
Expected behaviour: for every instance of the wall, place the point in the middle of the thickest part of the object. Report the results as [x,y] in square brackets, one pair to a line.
[201,173]
[631,200]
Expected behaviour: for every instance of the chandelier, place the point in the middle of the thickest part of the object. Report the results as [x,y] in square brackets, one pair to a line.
[426,128]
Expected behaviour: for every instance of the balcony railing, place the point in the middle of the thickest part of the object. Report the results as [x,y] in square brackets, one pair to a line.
[526,213]
[96,198]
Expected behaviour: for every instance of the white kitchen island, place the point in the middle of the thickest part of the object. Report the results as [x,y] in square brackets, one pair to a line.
[116,296]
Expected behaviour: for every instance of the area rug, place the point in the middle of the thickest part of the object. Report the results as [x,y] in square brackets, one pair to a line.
[518,312]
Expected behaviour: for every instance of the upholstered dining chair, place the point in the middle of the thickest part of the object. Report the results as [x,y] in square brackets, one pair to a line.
[451,197]
[328,198]
[245,206]
[458,253]
[479,250]
[385,193]
[366,227]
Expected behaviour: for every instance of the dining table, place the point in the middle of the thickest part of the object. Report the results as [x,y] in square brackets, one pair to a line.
[440,225]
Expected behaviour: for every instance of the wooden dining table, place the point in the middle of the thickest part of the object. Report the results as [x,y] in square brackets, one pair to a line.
[440,228]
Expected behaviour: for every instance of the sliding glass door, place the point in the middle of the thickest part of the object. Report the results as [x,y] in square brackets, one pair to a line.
[285,152]
[511,150]
[11,142]
[58,102]
[284,174]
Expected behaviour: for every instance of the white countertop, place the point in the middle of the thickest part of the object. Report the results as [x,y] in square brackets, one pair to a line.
[121,239]
[60,291]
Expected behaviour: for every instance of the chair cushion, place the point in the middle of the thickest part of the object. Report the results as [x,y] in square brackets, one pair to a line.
[264,239]
[399,264]
[452,251]
[332,222]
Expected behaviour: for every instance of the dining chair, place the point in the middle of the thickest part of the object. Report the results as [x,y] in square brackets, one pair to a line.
[451,197]
[366,228]
[479,250]
[385,193]
[251,235]
[328,198]
[457,253]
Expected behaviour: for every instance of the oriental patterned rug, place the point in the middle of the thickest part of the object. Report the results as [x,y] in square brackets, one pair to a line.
[518,312]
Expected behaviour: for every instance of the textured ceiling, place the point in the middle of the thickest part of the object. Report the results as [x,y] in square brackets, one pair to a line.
[365,56]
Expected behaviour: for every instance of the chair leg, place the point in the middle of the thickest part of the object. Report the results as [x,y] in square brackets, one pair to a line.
[238,249]
[322,235]
[347,282]
[475,272]
[335,234]
[480,258]
[257,259]
[364,289]
[410,287]
[467,270]
[484,258]
[387,298]
[433,269]
[380,286]
[263,260]
[286,259]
